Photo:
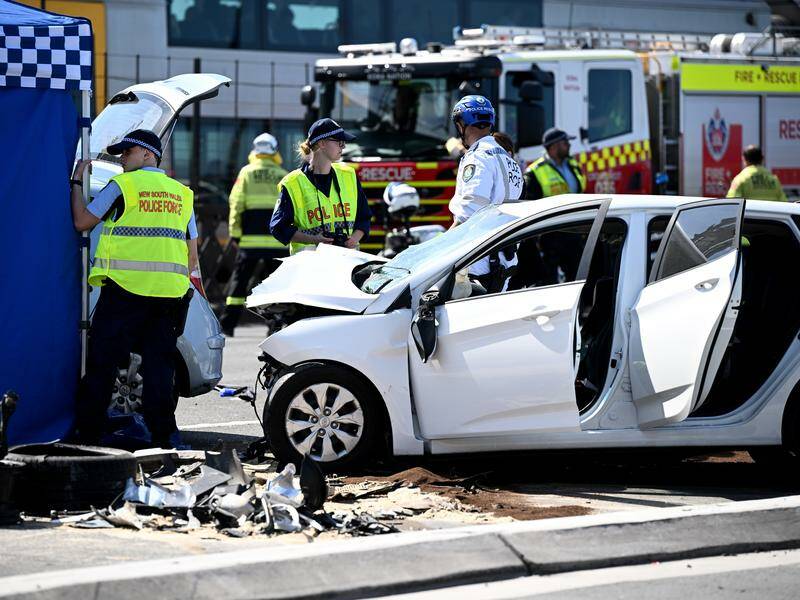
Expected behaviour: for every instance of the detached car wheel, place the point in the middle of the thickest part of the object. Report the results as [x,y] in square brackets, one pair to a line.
[325,413]
[60,476]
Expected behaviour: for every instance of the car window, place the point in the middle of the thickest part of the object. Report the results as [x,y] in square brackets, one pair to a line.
[513,111]
[417,257]
[699,235]
[610,111]
[655,233]
[550,256]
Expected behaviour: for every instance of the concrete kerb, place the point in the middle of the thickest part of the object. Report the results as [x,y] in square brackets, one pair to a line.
[424,560]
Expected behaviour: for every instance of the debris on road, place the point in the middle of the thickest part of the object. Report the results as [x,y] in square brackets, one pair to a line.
[191,491]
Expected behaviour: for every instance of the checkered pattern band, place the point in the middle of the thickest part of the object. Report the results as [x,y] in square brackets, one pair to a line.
[313,141]
[166,232]
[612,157]
[50,57]
[140,143]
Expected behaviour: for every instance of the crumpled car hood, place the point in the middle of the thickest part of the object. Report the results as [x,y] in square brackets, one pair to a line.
[320,278]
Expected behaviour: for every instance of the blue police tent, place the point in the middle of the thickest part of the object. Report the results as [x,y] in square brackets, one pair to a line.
[45,59]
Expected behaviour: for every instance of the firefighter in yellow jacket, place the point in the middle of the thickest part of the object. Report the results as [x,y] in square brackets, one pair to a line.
[146,252]
[756,182]
[252,201]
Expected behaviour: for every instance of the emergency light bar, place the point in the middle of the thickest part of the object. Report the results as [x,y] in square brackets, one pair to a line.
[355,49]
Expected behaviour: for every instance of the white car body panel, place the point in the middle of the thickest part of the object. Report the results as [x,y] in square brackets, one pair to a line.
[179,90]
[672,329]
[377,345]
[319,278]
[504,364]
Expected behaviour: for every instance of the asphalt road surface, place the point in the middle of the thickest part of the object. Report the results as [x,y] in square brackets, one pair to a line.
[773,575]
[207,418]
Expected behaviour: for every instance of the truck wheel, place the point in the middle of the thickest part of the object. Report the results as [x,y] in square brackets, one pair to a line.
[325,413]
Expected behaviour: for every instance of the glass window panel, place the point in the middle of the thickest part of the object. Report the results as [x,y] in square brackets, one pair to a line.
[700,235]
[364,23]
[214,23]
[396,119]
[522,13]
[424,20]
[302,24]
[513,83]
[609,103]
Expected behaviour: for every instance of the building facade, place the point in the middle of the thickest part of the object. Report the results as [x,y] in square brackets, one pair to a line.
[268,48]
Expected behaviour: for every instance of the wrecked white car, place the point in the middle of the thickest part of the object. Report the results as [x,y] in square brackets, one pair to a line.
[631,321]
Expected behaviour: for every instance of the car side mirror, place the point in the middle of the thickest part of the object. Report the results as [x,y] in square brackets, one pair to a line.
[423,325]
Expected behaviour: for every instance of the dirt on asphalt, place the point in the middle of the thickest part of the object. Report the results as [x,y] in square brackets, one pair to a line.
[470,492]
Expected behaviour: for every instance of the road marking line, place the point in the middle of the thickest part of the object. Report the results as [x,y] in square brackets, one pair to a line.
[212,425]
[576,580]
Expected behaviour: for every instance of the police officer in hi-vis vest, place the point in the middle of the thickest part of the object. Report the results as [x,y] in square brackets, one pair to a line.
[555,172]
[321,202]
[147,248]
[252,201]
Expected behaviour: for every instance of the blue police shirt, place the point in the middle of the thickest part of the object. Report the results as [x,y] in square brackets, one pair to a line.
[568,175]
[109,194]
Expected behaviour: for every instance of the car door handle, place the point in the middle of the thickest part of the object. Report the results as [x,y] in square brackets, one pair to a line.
[707,285]
[541,312]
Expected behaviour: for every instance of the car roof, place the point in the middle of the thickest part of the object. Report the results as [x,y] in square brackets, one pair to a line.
[627,203]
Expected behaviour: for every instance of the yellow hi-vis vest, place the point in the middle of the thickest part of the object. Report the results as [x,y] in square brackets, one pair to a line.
[314,212]
[252,201]
[145,251]
[551,181]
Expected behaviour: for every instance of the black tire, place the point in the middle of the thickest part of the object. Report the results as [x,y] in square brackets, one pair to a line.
[275,415]
[68,477]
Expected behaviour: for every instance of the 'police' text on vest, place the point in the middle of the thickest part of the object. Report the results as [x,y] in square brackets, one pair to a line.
[314,215]
[160,201]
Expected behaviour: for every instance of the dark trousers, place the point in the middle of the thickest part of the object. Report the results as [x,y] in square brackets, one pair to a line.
[253,265]
[123,323]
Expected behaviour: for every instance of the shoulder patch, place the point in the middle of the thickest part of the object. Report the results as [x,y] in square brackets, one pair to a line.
[469,171]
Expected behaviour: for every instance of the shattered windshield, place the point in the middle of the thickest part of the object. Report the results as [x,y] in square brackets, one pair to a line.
[396,119]
[139,111]
[415,258]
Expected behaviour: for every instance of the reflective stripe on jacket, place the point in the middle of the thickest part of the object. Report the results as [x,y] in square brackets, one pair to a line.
[252,201]
[145,251]
[314,212]
[551,181]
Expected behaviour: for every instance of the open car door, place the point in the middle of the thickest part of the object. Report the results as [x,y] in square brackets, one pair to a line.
[684,317]
[154,106]
[504,364]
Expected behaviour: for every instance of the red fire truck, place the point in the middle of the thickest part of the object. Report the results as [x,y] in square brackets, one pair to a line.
[665,113]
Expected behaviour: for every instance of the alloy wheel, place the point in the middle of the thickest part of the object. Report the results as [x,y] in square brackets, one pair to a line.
[324,421]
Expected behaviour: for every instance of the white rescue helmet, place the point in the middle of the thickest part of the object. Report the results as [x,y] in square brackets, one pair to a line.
[401,197]
[265,144]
